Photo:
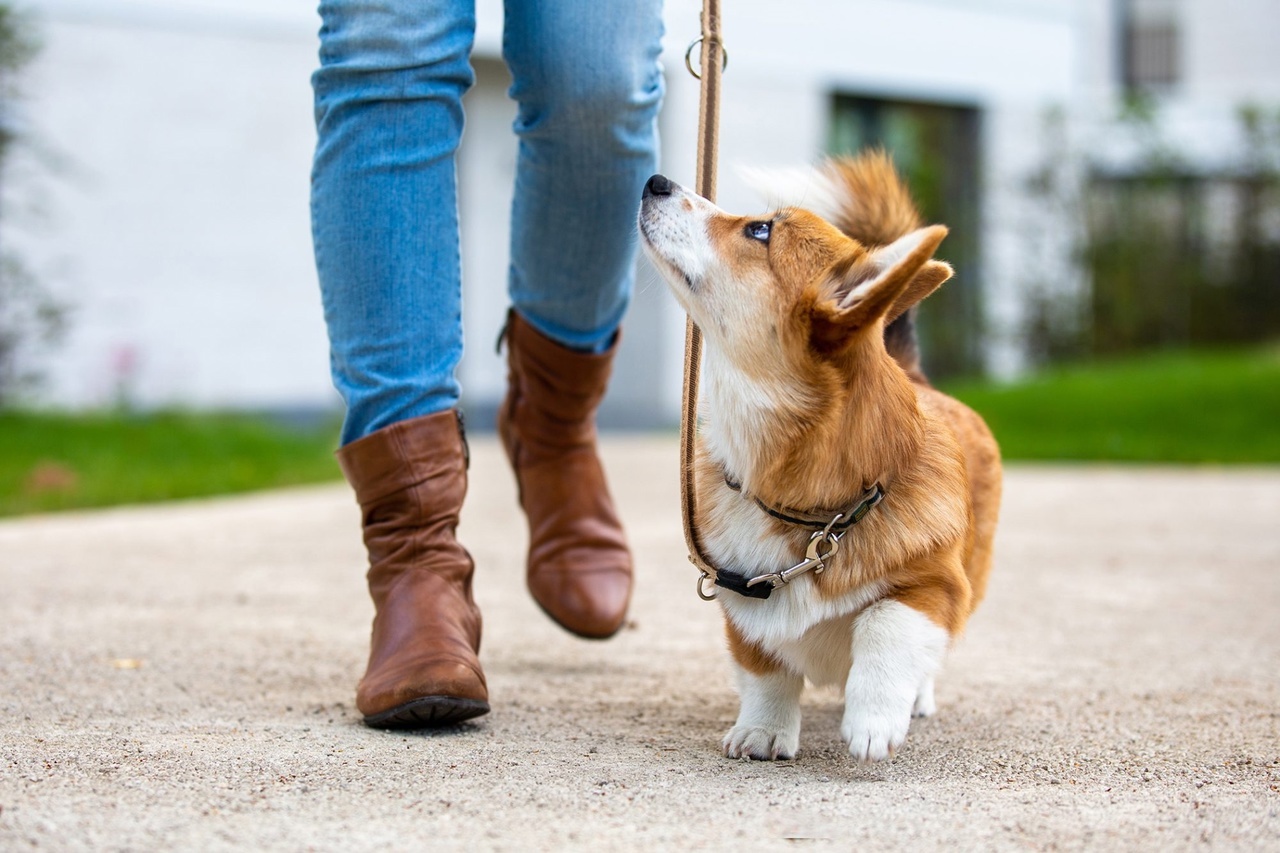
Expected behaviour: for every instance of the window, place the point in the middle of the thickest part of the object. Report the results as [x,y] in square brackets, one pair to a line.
[1149,44]
[936,149]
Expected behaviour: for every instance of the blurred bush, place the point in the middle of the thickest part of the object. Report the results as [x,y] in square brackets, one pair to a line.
[30,318]
[1168,255]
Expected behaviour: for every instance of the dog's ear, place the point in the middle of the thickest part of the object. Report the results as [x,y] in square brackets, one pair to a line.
[930,278]
[880,284]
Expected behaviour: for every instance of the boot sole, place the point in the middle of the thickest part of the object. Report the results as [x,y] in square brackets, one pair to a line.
[429,712]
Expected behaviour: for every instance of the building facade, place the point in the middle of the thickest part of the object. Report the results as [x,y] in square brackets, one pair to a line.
[163,195]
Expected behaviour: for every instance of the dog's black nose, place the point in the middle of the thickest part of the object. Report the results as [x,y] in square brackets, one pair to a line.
[657,185]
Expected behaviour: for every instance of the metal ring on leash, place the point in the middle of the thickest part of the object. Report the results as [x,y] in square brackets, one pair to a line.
[688,56]
[705,596]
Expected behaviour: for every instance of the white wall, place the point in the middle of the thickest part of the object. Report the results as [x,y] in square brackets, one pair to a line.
[1232,50]
[1008,59]
[180,229]
[1229,57]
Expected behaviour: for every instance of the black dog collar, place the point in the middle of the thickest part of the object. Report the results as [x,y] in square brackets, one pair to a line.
[827,532]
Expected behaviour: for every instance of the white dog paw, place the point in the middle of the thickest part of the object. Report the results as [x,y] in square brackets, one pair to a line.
[925,706]
[873,734]
[762,744]
[896,651]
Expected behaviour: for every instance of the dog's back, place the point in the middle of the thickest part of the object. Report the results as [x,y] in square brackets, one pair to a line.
[871,204]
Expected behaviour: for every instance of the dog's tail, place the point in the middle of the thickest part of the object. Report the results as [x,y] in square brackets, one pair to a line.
[874,207]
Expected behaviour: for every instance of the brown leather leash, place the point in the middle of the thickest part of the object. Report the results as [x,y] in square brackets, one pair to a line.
[711,67]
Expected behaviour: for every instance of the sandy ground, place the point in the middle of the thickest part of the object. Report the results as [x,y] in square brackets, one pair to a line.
[181,677]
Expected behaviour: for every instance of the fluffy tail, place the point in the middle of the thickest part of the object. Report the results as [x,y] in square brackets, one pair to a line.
[874,207]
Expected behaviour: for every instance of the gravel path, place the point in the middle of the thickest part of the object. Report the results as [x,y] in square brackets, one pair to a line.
[182,677]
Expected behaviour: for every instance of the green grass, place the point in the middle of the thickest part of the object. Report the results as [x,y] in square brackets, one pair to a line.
[1218,407]
[1198,407]
[54,461]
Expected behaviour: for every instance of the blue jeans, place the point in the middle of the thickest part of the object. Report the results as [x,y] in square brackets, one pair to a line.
[388,100]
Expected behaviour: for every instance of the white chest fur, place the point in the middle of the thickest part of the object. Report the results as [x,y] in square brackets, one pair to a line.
[810,634]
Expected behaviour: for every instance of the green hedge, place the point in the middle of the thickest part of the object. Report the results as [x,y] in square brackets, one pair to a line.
[1190,407]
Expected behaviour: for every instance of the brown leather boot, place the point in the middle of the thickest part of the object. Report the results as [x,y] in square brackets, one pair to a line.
[410,479]
[579,567]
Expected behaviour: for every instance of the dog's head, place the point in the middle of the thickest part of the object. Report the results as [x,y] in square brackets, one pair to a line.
[786,289]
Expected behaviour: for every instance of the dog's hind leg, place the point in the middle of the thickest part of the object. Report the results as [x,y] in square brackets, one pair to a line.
[768,726]
[925,706]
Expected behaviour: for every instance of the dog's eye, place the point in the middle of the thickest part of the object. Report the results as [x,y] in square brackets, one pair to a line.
[759,231]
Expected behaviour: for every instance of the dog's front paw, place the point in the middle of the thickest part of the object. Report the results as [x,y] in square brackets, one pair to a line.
[896,651]
[874,734]
[768,726]
[762,744]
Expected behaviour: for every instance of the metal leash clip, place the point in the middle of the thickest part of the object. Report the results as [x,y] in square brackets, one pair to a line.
[814,559]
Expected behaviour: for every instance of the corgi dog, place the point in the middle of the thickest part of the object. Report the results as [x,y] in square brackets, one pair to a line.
[847,507]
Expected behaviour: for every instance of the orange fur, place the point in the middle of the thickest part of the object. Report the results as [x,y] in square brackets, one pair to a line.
[879,208]
[750,656]
[808,409]
[862,419]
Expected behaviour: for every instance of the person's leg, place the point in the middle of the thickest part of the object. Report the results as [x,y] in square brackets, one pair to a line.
[587,81]
[388,102]
[389,116]
[588,86]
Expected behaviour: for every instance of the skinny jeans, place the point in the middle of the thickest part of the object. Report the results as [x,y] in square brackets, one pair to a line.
[384,194]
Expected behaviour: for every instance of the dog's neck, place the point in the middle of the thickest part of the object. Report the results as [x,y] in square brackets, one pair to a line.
[798,444]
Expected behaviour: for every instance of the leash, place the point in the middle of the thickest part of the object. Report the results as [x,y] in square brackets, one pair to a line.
[712,65]
[713,60]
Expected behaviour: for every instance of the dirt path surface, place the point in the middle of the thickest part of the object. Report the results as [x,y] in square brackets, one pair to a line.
[181,677]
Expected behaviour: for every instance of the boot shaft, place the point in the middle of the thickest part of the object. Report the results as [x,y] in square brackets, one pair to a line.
[554,391]
[410,480]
